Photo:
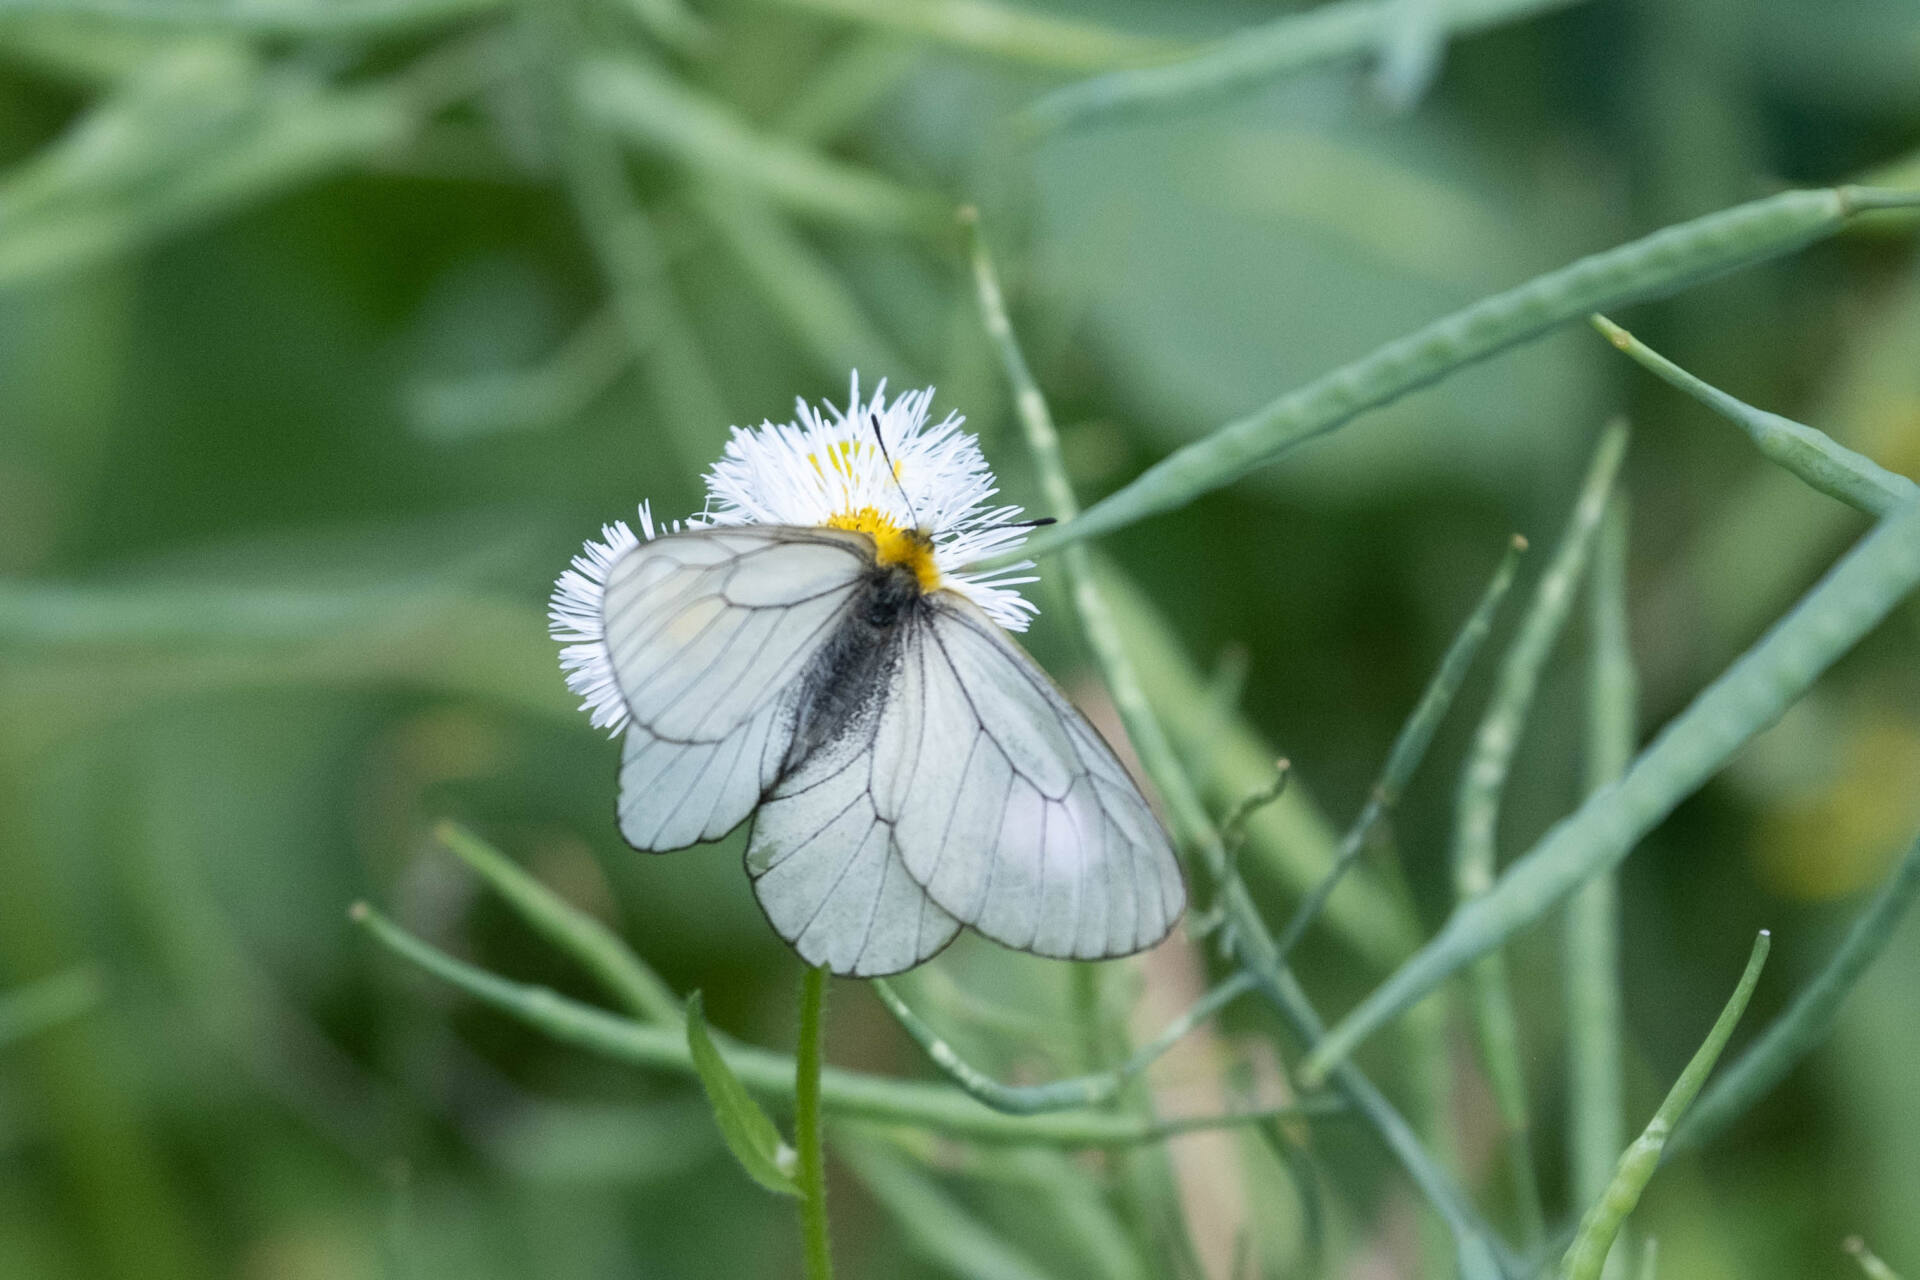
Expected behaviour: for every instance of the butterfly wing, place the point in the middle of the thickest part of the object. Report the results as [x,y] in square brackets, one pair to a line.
[1008,807]
[827,874]
[707,632]
[673,794]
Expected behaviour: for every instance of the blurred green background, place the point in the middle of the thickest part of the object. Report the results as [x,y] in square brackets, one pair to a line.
[328,332]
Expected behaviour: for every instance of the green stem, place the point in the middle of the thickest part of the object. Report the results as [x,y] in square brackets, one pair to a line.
[1602,1222]
[1483,786]
[1591,944]
[622,973]
[849,1094]
[812,1174]
[1091,1090]
[1807,1021]
[1337,32]
[1410,747]
[1814,456]
[1654,266]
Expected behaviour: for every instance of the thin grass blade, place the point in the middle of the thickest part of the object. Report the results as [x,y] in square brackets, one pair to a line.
[1602,1222]
[1483,783]
[1806,1022]
[1596,1118]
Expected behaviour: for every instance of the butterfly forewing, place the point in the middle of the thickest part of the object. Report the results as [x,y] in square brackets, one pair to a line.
[1008,807]
[705,628]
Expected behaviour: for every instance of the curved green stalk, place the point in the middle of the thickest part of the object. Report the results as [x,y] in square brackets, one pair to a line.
[652,111]
[849,1094]
[1477,809]
[1410,746]
[1346,30]
[1654,266]
[340,19]
[27,1011]
[1591,945]
[1588,1253]
[1868,1261]
[811,1176]
[1092,1090]
[1805,1023]
[1007,31]
[1814,456]
[623,974]
[1749,696]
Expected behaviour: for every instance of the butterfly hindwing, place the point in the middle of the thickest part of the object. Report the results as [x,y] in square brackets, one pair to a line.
[827,874]
[1008,807]
[674,794]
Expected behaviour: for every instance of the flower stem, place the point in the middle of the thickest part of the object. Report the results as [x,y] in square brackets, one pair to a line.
[806,1127]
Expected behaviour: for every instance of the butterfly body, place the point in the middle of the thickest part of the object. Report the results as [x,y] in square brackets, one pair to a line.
[846,683]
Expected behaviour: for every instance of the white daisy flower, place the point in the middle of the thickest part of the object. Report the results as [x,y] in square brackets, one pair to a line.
[921,491]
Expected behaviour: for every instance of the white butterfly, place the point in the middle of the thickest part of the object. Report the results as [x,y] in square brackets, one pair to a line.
[913,770]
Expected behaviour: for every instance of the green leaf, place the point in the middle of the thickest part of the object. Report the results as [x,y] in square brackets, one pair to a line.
[749,1134]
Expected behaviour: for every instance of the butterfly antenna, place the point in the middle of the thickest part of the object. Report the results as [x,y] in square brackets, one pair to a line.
[873,420]
[1040,523]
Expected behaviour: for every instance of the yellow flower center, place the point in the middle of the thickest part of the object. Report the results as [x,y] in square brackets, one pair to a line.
[893,544]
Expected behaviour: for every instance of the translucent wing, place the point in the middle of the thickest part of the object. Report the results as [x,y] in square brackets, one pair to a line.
[673,794]
[707,631]
[827,874]
[1008,808]
[705,628]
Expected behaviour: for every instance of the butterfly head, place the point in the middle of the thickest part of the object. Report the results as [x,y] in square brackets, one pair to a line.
[907,545]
